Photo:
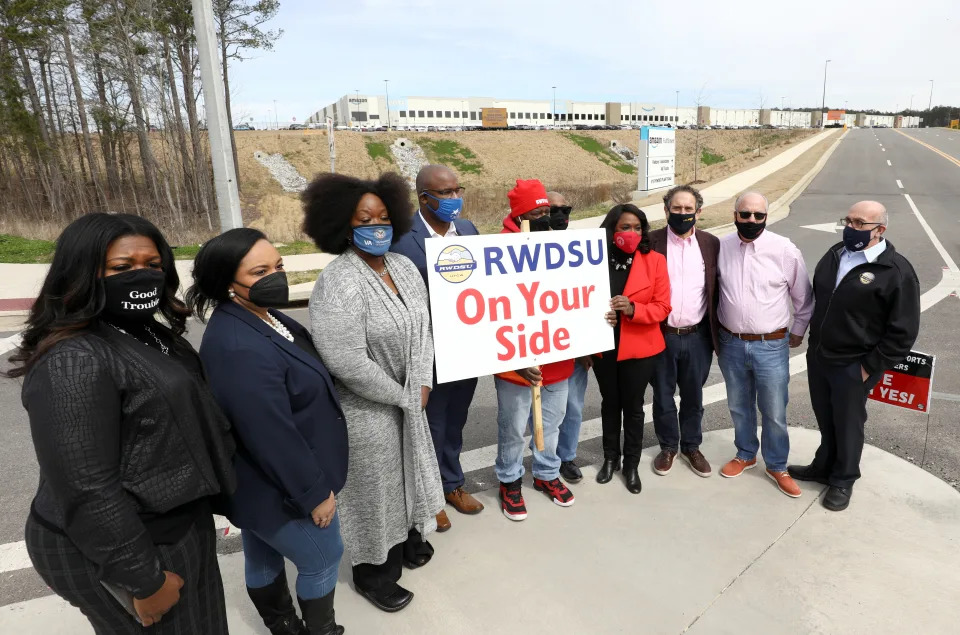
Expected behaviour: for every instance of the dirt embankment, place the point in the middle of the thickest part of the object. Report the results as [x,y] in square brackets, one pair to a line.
[495,160]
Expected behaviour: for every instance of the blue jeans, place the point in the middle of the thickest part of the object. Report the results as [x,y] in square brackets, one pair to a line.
[570,427]
[316,553]
[685,364]
[514,418]
[757,374]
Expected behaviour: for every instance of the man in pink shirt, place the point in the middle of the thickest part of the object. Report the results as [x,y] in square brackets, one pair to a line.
[762,278]
[690,331]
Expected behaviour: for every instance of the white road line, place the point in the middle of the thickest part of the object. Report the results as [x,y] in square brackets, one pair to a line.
[951,265]
[888,162]
[13,556]
[899,184]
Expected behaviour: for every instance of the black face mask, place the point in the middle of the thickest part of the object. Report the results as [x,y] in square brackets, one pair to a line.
[269,291]
[559,217]
[541,224]
[681,223]
[133,294]
[750,230]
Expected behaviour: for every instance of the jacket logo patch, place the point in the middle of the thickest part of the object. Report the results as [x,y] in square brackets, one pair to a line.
[867,277]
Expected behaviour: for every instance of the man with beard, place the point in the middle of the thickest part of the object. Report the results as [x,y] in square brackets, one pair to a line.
[690,331]
[762,275]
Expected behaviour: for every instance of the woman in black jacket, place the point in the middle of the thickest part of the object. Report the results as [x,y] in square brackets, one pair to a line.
[291,435]
[131,445]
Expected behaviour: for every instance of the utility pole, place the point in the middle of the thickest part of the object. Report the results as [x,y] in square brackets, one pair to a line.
[930,103]
[214,101]
[386,88]
[276,115]
[823,103]
[554,106]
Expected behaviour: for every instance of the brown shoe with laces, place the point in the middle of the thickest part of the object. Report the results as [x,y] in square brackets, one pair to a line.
[736,467]
[464,502]
[664,462]
[443,523]
[698,463]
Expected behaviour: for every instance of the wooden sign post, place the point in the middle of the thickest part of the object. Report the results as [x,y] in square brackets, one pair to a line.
[536,404]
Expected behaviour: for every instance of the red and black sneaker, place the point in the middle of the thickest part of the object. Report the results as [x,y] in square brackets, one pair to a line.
[556,490]
[511,500]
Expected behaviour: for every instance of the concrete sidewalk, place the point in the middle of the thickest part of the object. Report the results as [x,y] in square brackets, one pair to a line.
[687,555]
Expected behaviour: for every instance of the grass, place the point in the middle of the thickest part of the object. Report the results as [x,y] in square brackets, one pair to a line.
[14,249]
[378,150]
[709,158]
[17,250]
[449,152]
[299,277]
[604,154]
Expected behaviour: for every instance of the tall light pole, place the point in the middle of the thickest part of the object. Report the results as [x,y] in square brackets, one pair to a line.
[554,106]
[357,106]
[276,116]
[930,103]
[676,111]
[823,103]
[781,102]
[386,89]
[911,102]
[214,102]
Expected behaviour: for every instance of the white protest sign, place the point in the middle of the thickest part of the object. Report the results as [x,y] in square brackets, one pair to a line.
[507,301]
[656,161]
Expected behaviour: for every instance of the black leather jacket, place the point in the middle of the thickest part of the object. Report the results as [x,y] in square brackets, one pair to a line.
[121,430]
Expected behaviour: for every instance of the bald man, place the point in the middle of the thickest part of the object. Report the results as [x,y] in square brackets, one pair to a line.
[441,203]
[866,320]
[764,308]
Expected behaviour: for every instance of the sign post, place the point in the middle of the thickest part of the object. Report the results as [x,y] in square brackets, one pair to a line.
[536,402]
[656,160]
[333,148]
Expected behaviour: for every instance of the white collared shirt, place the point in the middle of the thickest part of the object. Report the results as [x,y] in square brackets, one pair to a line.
[452,231]
[850,259]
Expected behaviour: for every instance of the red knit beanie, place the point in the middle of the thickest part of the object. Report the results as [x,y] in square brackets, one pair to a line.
[527,196]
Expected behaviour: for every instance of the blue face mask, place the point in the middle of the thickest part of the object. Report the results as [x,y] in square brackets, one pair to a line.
[448,209]
[373,239]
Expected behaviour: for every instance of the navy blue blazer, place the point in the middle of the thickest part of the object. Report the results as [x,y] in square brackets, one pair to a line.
[290,430]
[412,245]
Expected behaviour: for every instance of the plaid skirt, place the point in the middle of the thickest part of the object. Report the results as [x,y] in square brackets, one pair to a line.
[201,609]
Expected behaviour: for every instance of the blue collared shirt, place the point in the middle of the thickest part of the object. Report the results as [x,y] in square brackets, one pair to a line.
[850,259]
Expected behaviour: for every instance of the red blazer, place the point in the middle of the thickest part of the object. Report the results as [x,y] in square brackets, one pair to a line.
[648,287]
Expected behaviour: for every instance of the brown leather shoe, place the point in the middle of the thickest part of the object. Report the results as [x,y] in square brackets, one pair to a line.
[698,463]
[464,502]
[785,483]
[664,462]
[443,523]
[736,467]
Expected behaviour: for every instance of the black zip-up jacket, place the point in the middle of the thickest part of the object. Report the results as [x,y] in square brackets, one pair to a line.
[872,317]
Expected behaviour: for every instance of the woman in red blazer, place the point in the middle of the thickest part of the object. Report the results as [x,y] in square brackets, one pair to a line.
[641,300]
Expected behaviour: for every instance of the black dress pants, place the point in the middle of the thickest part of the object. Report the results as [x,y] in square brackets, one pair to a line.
[838,395]
[622,385]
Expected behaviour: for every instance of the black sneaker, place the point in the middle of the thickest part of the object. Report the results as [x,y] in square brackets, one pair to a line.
[570,472]
[511,501]
[555,491]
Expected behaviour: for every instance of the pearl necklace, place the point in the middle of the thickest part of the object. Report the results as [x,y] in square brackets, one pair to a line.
[279,327]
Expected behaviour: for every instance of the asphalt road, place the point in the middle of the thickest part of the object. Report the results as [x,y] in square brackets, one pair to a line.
[858,170]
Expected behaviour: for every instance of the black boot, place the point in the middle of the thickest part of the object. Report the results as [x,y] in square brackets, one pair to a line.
[275,606]
[631,478]
[319,616]
[606,472]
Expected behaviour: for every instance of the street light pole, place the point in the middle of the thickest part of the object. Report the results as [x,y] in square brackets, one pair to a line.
[911,102]
[676,111]
[214,101]
[930,103]
[823,103]
[276,116]
[554,106]
[386,88]
[357,105]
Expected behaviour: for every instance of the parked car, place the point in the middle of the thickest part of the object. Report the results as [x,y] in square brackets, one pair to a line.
[243,126]
[296,126]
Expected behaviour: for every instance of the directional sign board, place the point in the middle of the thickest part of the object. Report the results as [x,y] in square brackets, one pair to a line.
[656,161]
[908,385]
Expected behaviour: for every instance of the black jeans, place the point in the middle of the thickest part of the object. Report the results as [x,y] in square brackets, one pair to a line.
[838,395]
[447,415]
[685,364]
[622,385]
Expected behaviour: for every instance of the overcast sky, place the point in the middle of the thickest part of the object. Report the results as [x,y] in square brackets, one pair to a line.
[735,53]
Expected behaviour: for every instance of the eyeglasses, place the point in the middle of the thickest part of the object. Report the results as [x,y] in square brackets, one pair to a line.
[457,191]
[856,223]
[760,216]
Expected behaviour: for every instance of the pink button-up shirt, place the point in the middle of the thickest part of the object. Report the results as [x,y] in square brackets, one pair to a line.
[688,294]
[759,283]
